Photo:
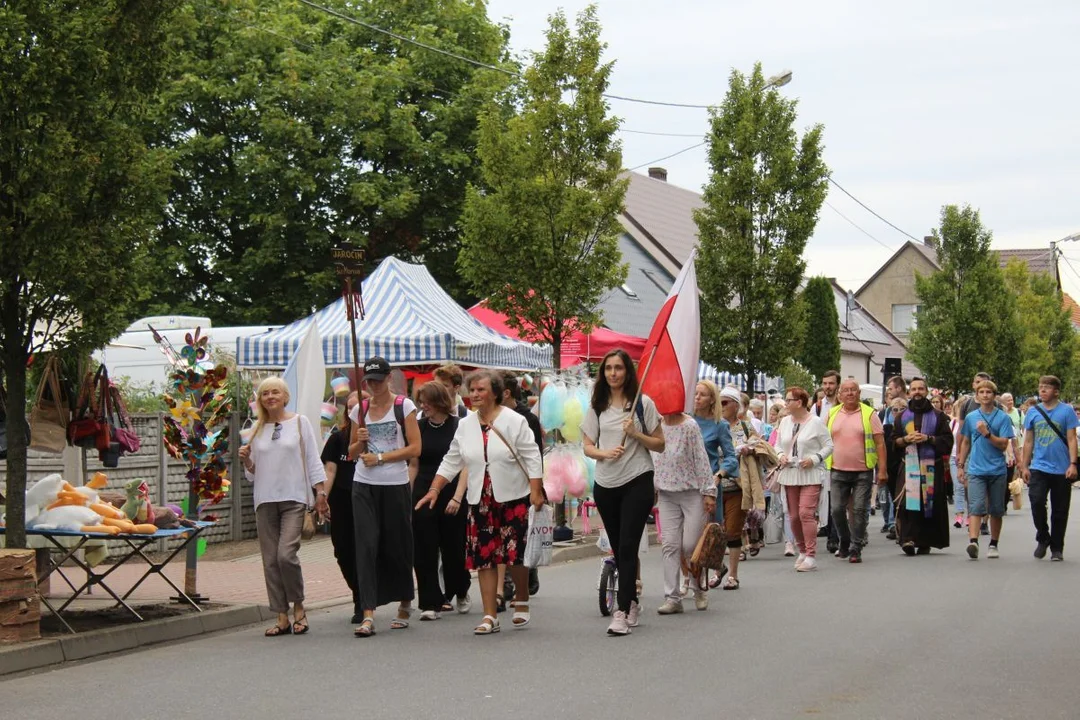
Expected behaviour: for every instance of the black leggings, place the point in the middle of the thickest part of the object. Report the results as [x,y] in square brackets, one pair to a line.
[623,510]
[343,537]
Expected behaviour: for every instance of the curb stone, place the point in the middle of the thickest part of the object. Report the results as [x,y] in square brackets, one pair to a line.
[54,651]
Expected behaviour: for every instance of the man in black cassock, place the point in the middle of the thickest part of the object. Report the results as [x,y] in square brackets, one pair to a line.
[923,508]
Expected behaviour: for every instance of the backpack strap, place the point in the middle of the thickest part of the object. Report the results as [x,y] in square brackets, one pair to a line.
[640,410]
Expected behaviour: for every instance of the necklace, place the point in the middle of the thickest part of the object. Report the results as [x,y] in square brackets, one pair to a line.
[435,424]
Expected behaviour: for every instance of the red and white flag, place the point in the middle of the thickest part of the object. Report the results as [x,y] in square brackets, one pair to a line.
[669,362]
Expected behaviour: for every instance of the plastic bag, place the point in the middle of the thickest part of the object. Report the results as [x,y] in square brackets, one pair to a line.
[540,538]
[774,522]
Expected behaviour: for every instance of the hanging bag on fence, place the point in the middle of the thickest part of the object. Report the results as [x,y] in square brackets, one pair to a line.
[122,429]
[82,431]
[49,417]
[103,439]
[539,543]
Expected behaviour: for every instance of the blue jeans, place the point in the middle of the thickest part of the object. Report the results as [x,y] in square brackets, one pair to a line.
[986,495]
[889,511]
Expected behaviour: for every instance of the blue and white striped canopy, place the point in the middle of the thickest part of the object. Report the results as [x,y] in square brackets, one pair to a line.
[409,320]
[723,379]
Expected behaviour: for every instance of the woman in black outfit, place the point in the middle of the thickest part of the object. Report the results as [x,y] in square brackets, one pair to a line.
[440,529]
[339,479]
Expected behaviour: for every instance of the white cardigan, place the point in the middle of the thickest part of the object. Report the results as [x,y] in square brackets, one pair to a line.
[508,482]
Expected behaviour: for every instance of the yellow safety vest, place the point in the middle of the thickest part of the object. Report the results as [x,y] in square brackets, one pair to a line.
[869,447]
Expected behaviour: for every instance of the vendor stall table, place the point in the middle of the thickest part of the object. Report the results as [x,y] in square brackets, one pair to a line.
[135,544]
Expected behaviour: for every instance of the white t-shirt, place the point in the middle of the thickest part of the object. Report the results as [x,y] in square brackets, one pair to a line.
[386,435]
[608,433]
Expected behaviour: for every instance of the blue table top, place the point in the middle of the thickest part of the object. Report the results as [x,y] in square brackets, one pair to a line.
[106,536]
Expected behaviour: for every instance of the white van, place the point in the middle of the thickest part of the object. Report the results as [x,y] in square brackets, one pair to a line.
[136,355]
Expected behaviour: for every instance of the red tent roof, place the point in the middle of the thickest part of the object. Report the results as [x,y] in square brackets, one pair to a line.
[576,348]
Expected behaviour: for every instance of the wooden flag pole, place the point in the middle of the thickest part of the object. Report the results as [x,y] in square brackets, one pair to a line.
[640,388]
[349,265]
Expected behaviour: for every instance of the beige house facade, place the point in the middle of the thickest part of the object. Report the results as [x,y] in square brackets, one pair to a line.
[889,294]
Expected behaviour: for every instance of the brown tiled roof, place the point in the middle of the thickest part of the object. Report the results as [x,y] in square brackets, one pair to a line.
[665,213]
[1067,303]
[1039,260]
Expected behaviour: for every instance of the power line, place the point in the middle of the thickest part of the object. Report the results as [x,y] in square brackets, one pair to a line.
[852,223]
[1068,264]
[668,157]
[865,207]
[660,134]
[478,63]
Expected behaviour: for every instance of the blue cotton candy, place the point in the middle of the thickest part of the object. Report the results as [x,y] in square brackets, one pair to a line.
[552,400]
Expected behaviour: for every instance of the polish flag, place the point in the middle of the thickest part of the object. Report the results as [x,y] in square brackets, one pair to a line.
[669,362]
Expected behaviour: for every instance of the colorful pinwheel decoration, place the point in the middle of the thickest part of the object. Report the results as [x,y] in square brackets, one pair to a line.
[197,426]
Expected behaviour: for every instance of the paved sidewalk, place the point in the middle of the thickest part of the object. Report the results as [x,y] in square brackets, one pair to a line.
[240,581]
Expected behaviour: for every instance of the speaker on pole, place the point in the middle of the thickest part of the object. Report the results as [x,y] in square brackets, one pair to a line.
[891,367]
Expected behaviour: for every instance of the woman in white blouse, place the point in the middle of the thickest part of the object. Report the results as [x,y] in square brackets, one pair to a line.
[282,461]
[803,443]
[505,476]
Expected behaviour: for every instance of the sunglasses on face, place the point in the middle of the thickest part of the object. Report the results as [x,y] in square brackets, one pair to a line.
[725,402]
[277,432]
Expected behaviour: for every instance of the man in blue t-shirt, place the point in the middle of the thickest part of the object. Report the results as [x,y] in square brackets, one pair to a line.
[1049,466]
[981,466]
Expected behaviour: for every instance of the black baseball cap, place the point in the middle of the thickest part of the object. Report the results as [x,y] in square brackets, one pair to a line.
[376,368]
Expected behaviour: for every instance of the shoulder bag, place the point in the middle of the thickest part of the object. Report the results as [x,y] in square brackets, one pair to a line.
[310,520]
[50,415]
[708,553]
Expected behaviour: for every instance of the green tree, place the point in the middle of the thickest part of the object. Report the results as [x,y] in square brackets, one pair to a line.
[1048,343]
[80,192]
[540,237]
[761,206]
[295,130]
[821,340]
[967,318]
[795,375]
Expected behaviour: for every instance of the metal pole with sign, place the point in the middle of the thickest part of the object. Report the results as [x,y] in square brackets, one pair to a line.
[349,266]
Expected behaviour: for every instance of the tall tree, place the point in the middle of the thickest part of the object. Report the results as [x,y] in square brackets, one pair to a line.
[540,239]
[1048,344]
[821,340]
[966,320]
[761,206]
[295,130]
[80,192]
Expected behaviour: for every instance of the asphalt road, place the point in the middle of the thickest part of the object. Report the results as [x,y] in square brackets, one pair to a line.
[896,637]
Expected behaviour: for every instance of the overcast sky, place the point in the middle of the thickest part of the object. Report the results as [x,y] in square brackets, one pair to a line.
[924,104]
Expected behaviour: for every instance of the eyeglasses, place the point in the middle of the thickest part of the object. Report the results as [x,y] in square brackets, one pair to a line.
[790,399]
[277,432]
[725,402]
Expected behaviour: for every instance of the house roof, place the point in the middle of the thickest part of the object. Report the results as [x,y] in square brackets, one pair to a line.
[929,252]
[663,216]
[861,333]
[1039,260]
[1067,303]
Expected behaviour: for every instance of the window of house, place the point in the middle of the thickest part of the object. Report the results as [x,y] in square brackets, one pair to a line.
[903,318]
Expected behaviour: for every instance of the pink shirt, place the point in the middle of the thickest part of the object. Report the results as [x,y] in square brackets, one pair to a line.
[849,448]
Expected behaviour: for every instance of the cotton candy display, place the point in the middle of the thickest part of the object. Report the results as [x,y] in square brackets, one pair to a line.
[552,400]
[590,473]
[577,482]
[573,414]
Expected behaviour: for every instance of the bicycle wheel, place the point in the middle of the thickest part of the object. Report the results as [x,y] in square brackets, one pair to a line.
[609,585]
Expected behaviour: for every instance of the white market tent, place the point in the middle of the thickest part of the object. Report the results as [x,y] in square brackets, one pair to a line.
[723,379]
[409,320]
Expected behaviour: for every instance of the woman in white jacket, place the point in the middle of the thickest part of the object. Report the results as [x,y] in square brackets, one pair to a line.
[504,477]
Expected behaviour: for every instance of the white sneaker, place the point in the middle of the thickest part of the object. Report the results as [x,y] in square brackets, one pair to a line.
[464,604]
[428,615]
[670,607]
[992,552]
[701,600]
[618,624]
[789,550]
[634,614]
[799,560]
[808,565]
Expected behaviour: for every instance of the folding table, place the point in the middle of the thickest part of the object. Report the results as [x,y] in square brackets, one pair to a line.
[135,544]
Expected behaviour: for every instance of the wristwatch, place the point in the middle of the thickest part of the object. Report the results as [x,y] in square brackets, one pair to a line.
[322,493]
[378,458]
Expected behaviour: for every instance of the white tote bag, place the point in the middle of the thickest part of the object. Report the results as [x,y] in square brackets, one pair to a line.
[541,535]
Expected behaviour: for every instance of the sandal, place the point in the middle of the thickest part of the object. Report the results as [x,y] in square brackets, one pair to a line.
[300,625]
[400,623]
[278,631]
[521,617]
[908,548]
[742,556]
[446,607]
[731,584]
[754,550]
[366,628]
[488,626]
[500,603]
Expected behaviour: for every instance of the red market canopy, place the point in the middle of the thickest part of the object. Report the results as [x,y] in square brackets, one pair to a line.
[577,348]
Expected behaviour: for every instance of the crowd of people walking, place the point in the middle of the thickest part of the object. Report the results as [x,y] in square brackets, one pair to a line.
[420,495]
